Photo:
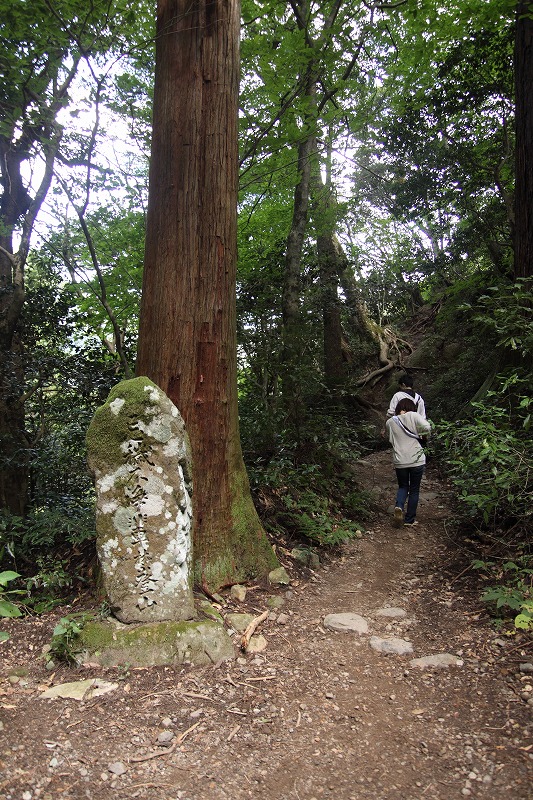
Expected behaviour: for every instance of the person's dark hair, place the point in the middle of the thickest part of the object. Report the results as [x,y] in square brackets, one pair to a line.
[406,380]
[405,405]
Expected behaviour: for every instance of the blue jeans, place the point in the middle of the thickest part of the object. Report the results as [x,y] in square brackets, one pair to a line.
[409,479]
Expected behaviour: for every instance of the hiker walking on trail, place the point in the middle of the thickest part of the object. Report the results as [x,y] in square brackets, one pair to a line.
[406,391]
[404,430]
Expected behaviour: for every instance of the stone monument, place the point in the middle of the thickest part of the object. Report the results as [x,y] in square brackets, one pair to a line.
[139,454]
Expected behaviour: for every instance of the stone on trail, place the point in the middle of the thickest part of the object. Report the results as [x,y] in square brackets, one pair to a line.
[391,645]
[79,690]
[238,593]
[205,607]
[257,644]
[390,611]
[117,768]
[139,454]
[239,622]
[351,623]
[279,577]
[275,602]
[306,557]
[437,661]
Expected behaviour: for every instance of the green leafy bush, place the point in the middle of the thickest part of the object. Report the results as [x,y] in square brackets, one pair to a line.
[64,645]
[512,595]
[46,529]
[307,505]
[7,607]
[489,458]
[506,310]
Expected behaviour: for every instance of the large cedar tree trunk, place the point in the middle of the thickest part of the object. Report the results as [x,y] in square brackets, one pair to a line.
[187,337]
[523,255]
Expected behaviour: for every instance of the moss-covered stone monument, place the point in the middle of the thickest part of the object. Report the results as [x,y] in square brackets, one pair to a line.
[139,453]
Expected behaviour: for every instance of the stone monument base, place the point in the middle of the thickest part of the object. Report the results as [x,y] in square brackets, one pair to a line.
[113,644]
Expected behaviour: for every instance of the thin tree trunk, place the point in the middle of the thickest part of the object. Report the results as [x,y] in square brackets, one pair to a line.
[14,203]
[291,292]
[523,63]
[329,265]
[187,337]
[13,442]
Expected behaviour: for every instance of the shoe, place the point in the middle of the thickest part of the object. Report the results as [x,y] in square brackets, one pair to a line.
[410,524]
[398,517]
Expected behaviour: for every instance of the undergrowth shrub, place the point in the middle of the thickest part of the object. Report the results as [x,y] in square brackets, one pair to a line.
[488,452]
[489,460]
[510,593]
[300,484]
[303,502]
[45,530]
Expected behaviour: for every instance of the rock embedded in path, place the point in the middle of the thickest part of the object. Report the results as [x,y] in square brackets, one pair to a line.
[347,622]
[391,645]
[117,768]
[238,593]
[437,661]
[392,612]
[306,557]
[279,577]
[257,644]
[79,690]
[275,602]
[239,622]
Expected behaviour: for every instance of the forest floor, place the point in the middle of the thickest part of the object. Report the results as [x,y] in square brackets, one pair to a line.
[319,714]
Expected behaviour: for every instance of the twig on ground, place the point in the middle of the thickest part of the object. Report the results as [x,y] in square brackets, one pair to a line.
[232,733]
[247,635]
[167,750]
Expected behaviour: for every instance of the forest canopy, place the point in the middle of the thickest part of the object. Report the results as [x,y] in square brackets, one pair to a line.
[384,220]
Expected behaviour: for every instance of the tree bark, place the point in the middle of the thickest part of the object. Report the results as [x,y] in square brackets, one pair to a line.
[291,289]
[187,336]
[330,264]
[523,64]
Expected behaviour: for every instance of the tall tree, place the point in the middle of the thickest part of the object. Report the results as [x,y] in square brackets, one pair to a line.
[40,66]
[187,336]
[523,63]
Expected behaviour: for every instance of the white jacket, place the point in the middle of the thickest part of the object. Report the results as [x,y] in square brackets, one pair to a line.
[417,400]
[407,450]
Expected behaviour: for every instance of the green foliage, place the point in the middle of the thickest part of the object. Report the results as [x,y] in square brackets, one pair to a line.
[305,494]
[46,529]
[514,590]
[313,517]
[8,608]
[490,462]
[46,588]
[505,310]
[43,591]
[64,645]
[488,450]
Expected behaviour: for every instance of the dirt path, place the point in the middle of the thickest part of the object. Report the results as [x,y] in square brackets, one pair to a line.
[319,714]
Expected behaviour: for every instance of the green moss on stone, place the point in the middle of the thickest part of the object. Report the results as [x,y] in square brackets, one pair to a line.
[197,642]
[108,430]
